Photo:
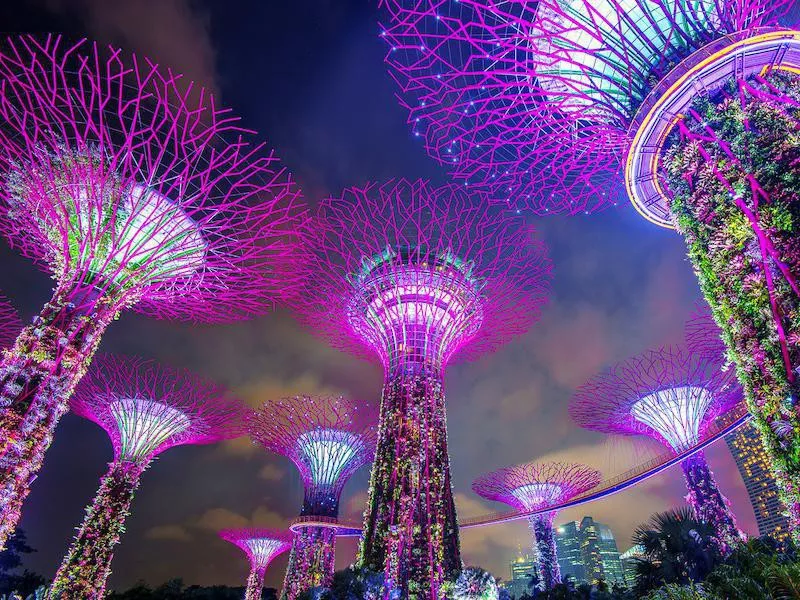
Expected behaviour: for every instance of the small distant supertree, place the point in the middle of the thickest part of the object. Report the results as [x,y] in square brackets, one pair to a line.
[474,583]
[689,107]
[416,276]
[674,397]
[535,486]
[145,409]
[261,546]
[328,439]
[133,190]
[10,324]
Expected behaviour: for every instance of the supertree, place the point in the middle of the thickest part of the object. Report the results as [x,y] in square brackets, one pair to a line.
[416,275]
[328,439]
[133,190]
[10,324]
[693,104]
[672,396]
[145,409]
[535,486]
[261,547]
[703,335]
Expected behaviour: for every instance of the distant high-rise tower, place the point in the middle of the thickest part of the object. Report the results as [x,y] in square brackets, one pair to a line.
[568,545]
[522,568]
[748,452]
[629,559]
[588,551]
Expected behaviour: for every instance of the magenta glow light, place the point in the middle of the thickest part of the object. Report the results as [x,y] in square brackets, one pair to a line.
[146,409]
[535,99]
[261,547]
[418,276]
[133,190]
[328,439]
[10,323]
[534,486]
[672,396]
[667,394]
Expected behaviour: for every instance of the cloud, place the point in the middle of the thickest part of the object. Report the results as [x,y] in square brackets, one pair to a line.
[222,518]
[271,473]
[174,33]
[176,533]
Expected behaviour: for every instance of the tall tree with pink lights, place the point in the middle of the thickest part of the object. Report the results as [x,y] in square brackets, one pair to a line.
[134,190]
[672,396]
[694,105]
[534,487]
[261,546]
[328,439]
[417,276]
[145,409]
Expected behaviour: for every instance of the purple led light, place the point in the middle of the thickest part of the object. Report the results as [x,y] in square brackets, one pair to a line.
[534,99]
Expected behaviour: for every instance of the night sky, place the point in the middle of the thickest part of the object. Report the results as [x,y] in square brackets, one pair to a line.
[309,76]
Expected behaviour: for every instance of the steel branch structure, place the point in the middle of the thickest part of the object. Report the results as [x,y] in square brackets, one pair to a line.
[695,104]
[328,439]
[535,486]
[703,335]
[674,397]
[145,409]
[261,547]
[10,323]
[417,276]
[133,190]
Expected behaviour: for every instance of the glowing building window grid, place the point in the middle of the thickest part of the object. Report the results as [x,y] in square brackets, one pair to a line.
[535,495]
[676,414]
[263,550]
[328,452]
[149,230]
[144,425]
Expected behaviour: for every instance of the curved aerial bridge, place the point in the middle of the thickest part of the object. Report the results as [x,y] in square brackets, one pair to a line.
[724,425]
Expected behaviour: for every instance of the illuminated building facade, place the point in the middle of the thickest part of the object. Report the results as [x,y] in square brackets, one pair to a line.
[587,551]
[753,463]
[629,559]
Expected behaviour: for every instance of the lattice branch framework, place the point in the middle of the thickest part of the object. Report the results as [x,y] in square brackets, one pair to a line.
[146,408]
[668,394]
[118,175]
[536,485]
[327,438]
[10,323]
[416,274]
[534,99]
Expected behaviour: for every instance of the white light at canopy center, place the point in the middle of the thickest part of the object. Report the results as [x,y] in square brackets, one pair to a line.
[146,231]
[589,57]
[536,495]
[263,550]
[417,297]
[145,424]
[328,452]
[676,413]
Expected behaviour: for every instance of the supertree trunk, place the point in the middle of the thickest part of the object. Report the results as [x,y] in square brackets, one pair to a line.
[87,565]
[411,533]
[735,179]
[545,539]
[255,583]
[37,377]
[311,561]
[708,503]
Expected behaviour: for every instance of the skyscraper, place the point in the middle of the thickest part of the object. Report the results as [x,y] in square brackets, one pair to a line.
[588,551]
[745,445]
[568,546]
[628,560]
[522,568]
